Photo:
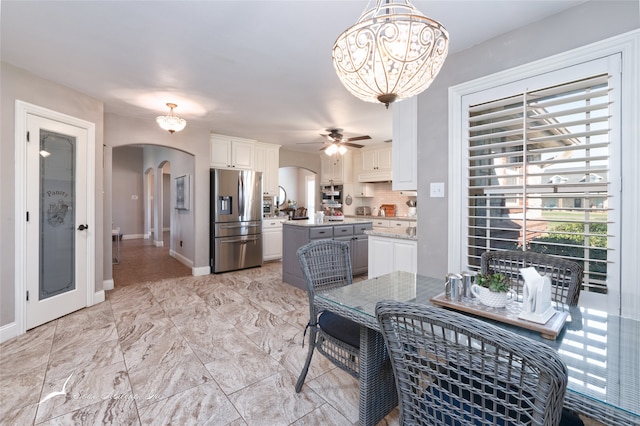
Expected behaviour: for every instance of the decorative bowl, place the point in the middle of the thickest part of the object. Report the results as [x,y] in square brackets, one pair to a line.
[493,299]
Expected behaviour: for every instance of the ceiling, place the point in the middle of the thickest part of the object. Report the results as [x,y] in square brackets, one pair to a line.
[253,69]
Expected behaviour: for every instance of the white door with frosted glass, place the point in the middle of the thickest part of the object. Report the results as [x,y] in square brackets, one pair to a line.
[57,230]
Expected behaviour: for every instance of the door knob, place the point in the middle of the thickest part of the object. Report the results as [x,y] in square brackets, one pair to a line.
[83,227]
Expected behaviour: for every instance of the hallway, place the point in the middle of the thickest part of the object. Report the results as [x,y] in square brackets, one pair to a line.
[141,261]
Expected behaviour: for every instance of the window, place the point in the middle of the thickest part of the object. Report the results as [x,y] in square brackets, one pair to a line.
[537,163]
[539,160]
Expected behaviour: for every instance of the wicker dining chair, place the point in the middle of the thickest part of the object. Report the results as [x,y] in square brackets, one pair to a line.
[565,275]
[452,369]
[326,264]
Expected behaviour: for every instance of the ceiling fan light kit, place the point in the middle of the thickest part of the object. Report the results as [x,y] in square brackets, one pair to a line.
[392,53]
[171,123]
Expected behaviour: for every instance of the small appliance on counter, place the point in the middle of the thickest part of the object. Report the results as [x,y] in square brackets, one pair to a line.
[388,210]
[363,211]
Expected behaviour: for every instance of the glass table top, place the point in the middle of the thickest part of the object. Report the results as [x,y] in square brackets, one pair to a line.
[601,351]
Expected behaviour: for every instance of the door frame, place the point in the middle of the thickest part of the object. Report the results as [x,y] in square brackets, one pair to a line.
[22,110]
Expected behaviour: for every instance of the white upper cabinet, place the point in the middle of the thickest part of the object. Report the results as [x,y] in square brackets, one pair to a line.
[228,152]
[405,144]
[267,161]
[335,169]
[377,159]
[376,164]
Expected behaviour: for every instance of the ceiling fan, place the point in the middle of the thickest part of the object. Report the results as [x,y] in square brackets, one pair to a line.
[336,137]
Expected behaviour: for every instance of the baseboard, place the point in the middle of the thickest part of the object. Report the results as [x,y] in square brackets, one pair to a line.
[133,236]
[108,284]
[196,272]
[8,331]
[98,297]
[159,243]
[200,271]
[180,258]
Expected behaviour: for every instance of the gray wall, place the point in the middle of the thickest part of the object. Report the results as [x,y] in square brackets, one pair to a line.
[188,153]
[578,26]
[127,181]
[17,84]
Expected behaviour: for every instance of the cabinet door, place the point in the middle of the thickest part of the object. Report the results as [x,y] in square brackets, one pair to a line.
[385,159]
[362,189]
[272,244]
[405,256]
[405,145]
[369,160]
[380,256]
[242,155]
[360,254]
[220,153]
[331,169]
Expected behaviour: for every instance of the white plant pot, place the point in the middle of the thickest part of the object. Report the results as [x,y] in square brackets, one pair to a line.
[490,298]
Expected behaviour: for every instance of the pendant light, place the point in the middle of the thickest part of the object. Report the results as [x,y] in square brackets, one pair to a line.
[392,53]
[170,122]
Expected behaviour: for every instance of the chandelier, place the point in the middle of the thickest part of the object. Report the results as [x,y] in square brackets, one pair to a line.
[335,148]
[392,53]
[170,122]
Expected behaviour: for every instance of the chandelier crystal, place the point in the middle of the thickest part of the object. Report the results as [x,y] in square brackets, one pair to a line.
[392,53]
[170,122]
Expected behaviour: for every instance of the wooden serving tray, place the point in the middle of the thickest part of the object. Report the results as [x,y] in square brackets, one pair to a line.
[508,314]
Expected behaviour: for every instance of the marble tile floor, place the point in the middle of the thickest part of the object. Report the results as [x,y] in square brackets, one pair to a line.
[169,348]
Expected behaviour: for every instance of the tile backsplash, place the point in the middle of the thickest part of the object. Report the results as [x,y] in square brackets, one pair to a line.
[383,194]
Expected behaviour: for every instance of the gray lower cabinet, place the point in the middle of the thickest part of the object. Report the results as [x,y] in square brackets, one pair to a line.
[295,236]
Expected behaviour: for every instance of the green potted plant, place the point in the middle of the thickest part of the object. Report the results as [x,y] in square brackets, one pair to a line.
[492,289]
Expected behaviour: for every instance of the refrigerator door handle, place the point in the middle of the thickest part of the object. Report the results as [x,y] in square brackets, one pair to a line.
[248,225]
[243,241]
[241,190]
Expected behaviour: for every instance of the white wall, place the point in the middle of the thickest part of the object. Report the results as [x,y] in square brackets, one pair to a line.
[127,182]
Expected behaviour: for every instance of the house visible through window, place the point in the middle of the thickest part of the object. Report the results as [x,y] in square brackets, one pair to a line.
[539,172]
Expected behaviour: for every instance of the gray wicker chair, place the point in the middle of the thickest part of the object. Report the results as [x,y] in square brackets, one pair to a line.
[326,264]
[451,369]
[565,275]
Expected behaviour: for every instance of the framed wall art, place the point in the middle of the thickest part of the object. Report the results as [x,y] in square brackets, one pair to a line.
[182,192]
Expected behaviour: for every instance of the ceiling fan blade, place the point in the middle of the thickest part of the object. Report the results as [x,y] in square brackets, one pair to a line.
[357,138]
[353,145]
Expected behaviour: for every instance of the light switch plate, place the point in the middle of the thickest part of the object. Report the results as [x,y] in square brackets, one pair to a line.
[437,189]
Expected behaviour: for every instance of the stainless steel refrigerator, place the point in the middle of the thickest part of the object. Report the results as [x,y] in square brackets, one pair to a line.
[236,219]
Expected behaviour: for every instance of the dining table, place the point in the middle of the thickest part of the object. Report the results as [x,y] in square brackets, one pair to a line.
[601,350]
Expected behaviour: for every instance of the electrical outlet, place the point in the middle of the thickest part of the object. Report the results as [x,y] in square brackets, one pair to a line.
[437,189]
[134,197]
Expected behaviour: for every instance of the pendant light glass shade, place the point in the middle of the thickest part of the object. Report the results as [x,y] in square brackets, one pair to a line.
[170,122]
[392,53]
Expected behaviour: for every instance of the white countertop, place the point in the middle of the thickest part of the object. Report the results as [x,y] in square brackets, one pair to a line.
[371,217]
[408,233]
[310,222]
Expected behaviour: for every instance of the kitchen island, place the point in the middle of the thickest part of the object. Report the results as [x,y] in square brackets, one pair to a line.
[297,233]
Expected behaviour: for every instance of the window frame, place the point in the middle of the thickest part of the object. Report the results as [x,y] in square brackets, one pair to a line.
[627,130]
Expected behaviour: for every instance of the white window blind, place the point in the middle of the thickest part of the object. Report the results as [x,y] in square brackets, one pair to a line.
[539,175]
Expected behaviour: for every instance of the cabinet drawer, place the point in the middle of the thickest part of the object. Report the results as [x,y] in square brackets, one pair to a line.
[381,223]
[321,232]
[271,224]
[398,224]
[342,231]
[360,228]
